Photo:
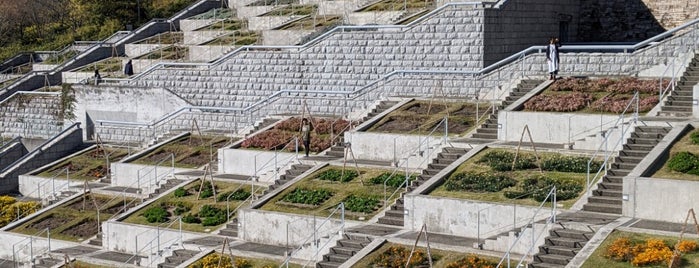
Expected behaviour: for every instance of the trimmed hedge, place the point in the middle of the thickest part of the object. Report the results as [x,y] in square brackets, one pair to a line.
[239,194]
[684,162]
[479,182]
[181,192]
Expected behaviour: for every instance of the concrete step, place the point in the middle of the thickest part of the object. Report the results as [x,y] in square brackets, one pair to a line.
[613,179]
[602,208]
[678,103]
[610,186]
[336,258]
[328,264]
[487,130]
[673,108]
[574,234]
[545,265]
[652,129]
[437,166]
[565,242]
[344,251]
[556,250]
[391,221]
[431,171]
[642,141]
[607,192]
[228,232]
[455,150]
[604,200]
[623,165]
[628,159]
[553,258]
[674,114]
[452,156]
[633,153]
[618,172]
[395,213]
[485,136]
[349,243]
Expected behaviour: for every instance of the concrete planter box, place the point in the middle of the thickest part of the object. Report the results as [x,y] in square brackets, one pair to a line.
[23,251]
[394,147]
[191,25]
[659,199]
[131,238]
[135,50]
[245,162]
[283,37]
[41,187]
[145,177]
[200,37]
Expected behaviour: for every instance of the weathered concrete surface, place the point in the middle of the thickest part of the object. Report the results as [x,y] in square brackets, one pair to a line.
[255,163]
[394,147]
[145,177]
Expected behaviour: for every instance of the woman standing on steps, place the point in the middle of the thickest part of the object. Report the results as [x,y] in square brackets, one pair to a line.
[306,128]
[552,58]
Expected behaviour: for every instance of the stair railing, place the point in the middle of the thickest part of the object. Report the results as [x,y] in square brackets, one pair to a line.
[274,161]
[154,171]
[418,151]
[603,150]
[314,239]
[155,243]
[24,244]
[663,90]
[551,197]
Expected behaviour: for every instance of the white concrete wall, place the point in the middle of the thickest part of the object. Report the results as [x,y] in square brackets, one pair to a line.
[207,53]
[146,177]
[200,37]
[245,12]
[695,106]
[283,37]
[659,199]
[266,22]
[274,228]
[373,17]
[140,65]
[135,50]
[132,238]
[43,67]
[390,147]
[552,127]
[333,7]
[191,25]
[39,245]
[461,217]
[245,162]
[40,187]
[76,77]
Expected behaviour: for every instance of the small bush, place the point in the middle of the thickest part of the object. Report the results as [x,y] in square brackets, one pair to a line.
[211,215]
[181,192]
[563,163]
[307,196]
[397,256]
[656,252]
[361,204]
[644,253]
[180,210]
[156,214]
[189,218]
[502,160]
[694,137]
[393,181]
[479,182]
[472,261]
[213,261]
[683,162]
[687,246]
[337,175]
[239,194]
[207,190]
[213,221]
[539,186]
[619,250]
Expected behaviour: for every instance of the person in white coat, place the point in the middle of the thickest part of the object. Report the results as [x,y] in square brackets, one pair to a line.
[552,58]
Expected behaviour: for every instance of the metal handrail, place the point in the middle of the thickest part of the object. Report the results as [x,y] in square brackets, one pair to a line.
[340,208]
[154,169]
[157,237]
[619,123]
[550,220]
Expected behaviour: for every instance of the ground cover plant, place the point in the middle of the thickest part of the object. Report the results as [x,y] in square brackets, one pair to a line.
[12,210]
[683,160]
[107,67]
[89,166]
[239,38]
[321,192]
[490,176]
[285,131]
[76,220]
[190,152]
[421,117]
[624,249]
[292,10]
[200,209]
[603,95]
[229,24]
[217,260]
[391,255]
[174,52]
[164,38]
[312,23]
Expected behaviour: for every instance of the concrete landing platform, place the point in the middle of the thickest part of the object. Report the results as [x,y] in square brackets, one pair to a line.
[261,248]
[441,239]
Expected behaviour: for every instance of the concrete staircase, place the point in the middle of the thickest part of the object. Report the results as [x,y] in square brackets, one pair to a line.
[167,186]
[178,256]
[680,101]
[338,148]
[265,122]
[607,197]
[345,248]
[47,262]
[290,174]
[489,130]
[231,229]
[394,216]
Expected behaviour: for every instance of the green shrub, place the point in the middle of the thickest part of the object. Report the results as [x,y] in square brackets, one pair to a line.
[502,160]
[564,163]
[239,194]
[394,181]
[181,192]
[361,204]
[694,137]
[207,190]
[189,218]
[211,215]
[683,162]
[180,210]
[307,196]
[337,175]
[213,221]
[156,214]
[538,187]
[479,182]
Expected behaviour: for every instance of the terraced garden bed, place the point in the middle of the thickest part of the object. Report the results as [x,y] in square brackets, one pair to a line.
[321,192]
[489,176]
[228,261]
[421,117]
[683,161]
[236,39]
[395,5]
[292,10]
[310,23]
[77,220]
[602,95]
[110,65]
[391,255]
[284,132]
[192,151]
[60,58]
[164,38]
[229,24]
[169,53]
[624,249]
[272,2]
[215,13]
[91,165]
[201,211]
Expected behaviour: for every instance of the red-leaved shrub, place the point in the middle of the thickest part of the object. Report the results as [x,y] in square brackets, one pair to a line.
[559,103]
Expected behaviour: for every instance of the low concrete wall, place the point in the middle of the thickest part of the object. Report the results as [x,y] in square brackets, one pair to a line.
[246,12]
[207,53]
[246,162]
[188,25]
[40,187]
[381,17]
[332,7]
[283,37]
[43,67]
[552,127]
[135,50]
[290,230]
[659,199]
[200,37]
[145,177]
[393,147]
[266,22]
[133,238]
[695,105]
[21,246]
[76,77]
[461,217]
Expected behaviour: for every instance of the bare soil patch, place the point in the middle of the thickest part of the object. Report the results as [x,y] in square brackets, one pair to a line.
[85,229]
[51,222]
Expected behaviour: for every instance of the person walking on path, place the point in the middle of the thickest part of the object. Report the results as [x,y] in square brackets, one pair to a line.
[306,128]
[552,58]
[98,77]
[128,68]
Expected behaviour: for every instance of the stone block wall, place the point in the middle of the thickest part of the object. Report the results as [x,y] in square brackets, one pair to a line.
[31,115]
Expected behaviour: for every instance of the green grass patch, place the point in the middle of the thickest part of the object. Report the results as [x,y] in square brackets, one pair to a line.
[243,38]
[174,52]
[359,191]
[292,10]
[91,165]
[597,258]
[395,255]
[395,5]
[76,220]
[229,24]
[199,215]
[163,38]
[422,117]
[488,177]
[190,152]
[678,167]
[310,23]
[60,58]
